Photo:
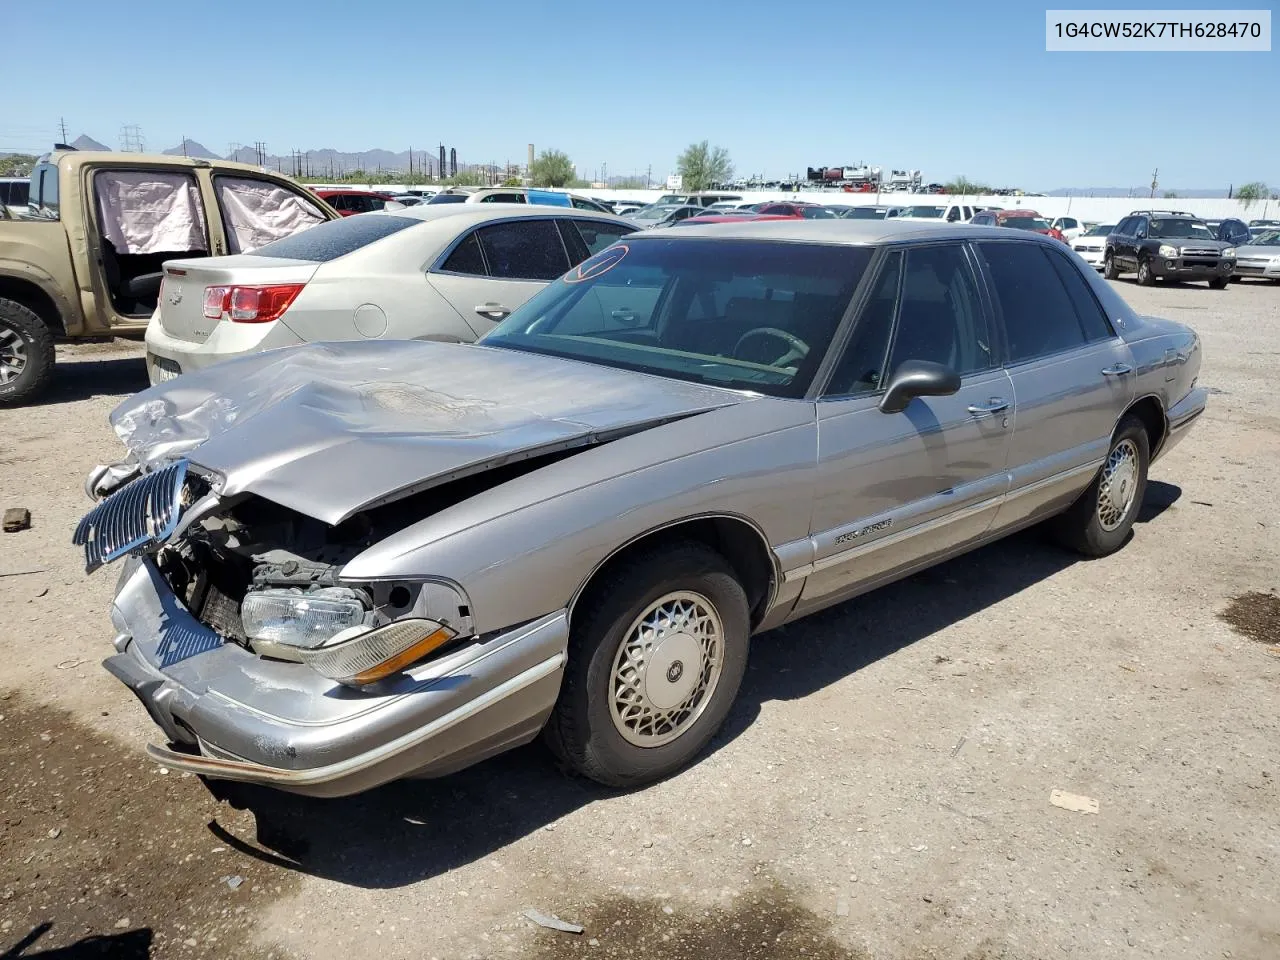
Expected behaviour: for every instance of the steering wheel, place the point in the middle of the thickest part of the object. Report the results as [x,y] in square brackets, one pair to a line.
[797,349]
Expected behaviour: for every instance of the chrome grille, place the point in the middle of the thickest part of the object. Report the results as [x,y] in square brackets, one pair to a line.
[142,512]
[1199,252]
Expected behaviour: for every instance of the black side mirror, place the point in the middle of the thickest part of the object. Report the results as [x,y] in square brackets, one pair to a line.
[918,378]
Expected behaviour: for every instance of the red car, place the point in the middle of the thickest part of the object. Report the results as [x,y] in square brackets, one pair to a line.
[348,202]
[796,210]
[1018,219]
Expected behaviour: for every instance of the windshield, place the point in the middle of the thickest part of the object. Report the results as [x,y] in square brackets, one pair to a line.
[864,213]
[1267,238]
[746,314]
[1025,223]
[817,213]
[931,213]
[1181,227]
[1101,230]
[655,211]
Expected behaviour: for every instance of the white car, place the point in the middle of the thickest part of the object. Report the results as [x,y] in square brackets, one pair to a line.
[438,272]
[1092,244]
[1069,227]
[939,212]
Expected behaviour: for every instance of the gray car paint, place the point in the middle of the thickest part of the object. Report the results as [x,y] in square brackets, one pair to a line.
[841,496]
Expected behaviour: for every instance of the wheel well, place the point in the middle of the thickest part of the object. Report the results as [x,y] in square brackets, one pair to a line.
[1151,413]
[35,300]
[742,546]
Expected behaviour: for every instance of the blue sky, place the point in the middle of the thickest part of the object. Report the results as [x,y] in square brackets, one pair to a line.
[950,88]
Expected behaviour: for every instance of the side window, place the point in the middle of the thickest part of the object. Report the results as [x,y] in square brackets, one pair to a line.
[598,235]
[1069,223]
[44,190]
[466,258]
[1039,317]
[503,198]
[338,202]
[940,316]
[256,212]
[374,203]
[1140,227]
[523,250]
[579,204]
[1088,311]
[861,366]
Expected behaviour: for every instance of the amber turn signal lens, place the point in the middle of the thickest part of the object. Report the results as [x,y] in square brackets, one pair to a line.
[360,658]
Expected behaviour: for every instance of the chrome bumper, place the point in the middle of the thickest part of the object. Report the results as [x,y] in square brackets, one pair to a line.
[283,725]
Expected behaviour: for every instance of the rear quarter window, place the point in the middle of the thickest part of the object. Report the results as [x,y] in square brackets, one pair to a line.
[336,238]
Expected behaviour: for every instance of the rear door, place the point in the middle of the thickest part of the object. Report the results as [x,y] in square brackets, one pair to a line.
[895,491]
[1072,376]
[495,268]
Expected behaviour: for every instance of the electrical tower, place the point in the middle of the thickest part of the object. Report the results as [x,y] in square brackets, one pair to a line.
[131,140]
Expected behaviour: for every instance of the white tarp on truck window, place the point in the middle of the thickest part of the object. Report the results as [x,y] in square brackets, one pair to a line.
[147,211]
[256,212]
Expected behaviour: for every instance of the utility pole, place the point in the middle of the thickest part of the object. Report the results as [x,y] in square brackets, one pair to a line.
[184,145]
[604,174]
[648,174]
[1155,181]
[62,125]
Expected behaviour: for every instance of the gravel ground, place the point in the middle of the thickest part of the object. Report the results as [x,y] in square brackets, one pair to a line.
[882,789]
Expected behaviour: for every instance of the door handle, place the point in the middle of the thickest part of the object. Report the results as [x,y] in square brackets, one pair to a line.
[494,311]
[1117,370]
[994,405]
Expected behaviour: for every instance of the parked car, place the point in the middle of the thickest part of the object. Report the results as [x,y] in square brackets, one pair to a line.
[804,211]
[1232,230]
[1020,219]
[364,278]
[1092,244]
[349,563]
[663,214]
[624,208]
[1260,257]
[408,199]
[945,213]
[729,216]
[705,199]
[546,198]
[1168,243]
[85,260]
[1068,227]
[14,195]
[350,202]
[867,213]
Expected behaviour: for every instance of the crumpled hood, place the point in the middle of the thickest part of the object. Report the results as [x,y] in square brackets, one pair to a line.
[330,429]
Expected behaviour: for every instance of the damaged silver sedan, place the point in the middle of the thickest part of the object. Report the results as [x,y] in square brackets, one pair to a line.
[349,563]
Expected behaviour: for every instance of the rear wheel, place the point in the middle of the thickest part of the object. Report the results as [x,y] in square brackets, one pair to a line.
[1145,277]
[1098,523]
[1218,283]
[657,652]
[26,352]
[1109,268]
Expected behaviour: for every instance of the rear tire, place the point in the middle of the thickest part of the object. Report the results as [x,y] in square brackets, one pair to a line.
[1218,283]
[1109,268]
[657,651]
[26,352]
[1099,522]
[1145,277]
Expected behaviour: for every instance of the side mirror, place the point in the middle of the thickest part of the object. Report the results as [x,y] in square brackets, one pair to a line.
[918,378]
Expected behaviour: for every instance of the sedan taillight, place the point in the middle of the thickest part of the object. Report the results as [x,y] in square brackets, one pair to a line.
[250,304]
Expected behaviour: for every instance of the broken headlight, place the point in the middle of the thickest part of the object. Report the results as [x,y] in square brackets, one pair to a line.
[282,621]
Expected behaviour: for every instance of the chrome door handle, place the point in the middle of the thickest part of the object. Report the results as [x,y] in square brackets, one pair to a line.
[1117,370]
[994,405]
[494,311]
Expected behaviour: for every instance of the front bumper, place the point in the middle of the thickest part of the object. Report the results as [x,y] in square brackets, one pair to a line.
[1269,270]
[237,716]
[1193,270]
[1095,258]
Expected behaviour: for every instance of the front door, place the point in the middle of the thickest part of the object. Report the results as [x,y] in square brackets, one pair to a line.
[1072,376]
[895,491]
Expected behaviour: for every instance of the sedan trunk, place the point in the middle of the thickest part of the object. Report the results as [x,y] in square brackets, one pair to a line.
[182,298]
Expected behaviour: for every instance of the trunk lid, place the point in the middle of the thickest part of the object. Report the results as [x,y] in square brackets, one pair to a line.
[182,297]
[328,429]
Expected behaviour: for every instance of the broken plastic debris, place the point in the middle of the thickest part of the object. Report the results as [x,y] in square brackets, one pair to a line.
[1073,801]
[552,923]
[233,882]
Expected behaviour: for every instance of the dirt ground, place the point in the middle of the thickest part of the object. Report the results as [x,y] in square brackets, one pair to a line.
[882,789]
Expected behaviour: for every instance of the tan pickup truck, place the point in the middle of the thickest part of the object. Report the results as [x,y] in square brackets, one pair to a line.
[84,259]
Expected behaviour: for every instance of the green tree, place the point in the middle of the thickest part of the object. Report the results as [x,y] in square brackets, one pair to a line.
[630,183]
[553,168]
[1170,195]
[511,182]
[16,164]
[962,186]
[1251,193]
[465,178]
[702,166]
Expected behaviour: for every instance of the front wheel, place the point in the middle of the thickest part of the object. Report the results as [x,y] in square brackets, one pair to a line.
[657,651]
[1098,523]
[26,352]
[1145,277]
[1109,268]
[1218,283]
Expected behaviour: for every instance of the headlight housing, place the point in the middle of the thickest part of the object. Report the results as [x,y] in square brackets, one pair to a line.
[283,621]
[1229,252]
[1168,250]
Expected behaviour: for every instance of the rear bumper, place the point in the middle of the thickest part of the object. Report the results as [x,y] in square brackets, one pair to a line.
[1181,416]
[236,716]
[226,341]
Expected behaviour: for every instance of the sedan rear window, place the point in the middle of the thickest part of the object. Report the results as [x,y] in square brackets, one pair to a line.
[334,239]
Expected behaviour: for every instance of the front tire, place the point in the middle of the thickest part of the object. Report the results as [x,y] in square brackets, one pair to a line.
[1145,277]
[1109,268]
[657,651]
[26,352]
[1099,522]
[1218,283]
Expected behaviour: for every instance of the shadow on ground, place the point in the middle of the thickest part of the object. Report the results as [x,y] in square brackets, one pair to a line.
[79,378]
[408,831]
[133,945]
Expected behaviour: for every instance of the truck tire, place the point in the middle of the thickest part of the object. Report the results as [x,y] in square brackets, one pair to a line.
[26,352]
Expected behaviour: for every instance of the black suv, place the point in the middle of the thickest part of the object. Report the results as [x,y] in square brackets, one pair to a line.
[1168,243]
